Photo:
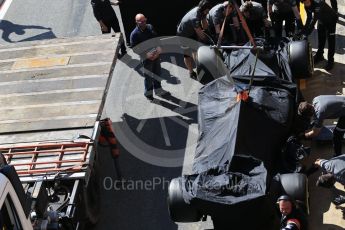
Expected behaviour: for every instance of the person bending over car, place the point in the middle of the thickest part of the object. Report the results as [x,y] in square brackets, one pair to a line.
[292,218]
[256,17]
[216,18]
[192,26]
[325,107]
[318,10]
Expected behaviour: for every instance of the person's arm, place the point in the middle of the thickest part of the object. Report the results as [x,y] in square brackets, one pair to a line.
[157,52]
[196,22]
[319,161]
[298,17]
[296,12]
[326,165]
[235,21]
[264,17]
[315,131]
[115,3]
[217,29]
[269,8]
[312,19]
[133,40]
[103,26]
[200,33]
[153,53]
[292,224]
[217,22]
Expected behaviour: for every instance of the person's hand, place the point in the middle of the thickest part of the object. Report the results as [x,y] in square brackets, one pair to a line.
[267,23]
[104,28]
[314,132]
[318,162]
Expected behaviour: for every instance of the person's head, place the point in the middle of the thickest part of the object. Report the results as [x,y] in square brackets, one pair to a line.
[326,180]
[307,3]
[140,20]
[306,109]
[247,7]
[229,7]
[285,204]
[204,7]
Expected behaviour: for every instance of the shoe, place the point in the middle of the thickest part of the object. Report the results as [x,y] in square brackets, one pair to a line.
[193,75]
[318,57]
[339,200]
[149,97]
[329,65]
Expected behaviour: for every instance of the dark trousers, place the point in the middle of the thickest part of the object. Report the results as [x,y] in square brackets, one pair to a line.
[334,5]
[256,27]
[152,72]
[338,135]
[114,24]
[278,19]
[328,31]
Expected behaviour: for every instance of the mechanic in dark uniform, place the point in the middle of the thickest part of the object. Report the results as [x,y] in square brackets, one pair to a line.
[216,18]
[192,26]
[333,171]
[256,17]
[149,55]
[105,15]
[318,10]
[292,218]
[284,10]
[325,107]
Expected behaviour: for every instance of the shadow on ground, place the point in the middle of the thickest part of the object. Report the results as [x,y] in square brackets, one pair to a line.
[8,29]
[176,59]
[325,83]
[140,202]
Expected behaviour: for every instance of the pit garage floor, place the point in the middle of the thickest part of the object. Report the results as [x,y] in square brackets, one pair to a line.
[323,214]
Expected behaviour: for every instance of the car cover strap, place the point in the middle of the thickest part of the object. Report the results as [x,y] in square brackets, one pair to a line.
[244,24]
[220,38]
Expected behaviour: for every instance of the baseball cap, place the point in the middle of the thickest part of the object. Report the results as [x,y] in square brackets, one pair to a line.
[285,197]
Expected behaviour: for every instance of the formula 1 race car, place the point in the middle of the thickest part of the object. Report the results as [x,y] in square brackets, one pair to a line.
[247,112]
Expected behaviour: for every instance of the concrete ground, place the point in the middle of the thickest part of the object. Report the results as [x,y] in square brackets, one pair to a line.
[158,142]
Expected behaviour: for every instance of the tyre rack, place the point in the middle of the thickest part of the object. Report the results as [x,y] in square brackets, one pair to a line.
[47,158]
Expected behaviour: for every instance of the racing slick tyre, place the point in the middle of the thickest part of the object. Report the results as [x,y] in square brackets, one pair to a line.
[209,64]
[300,59]
[296,186]
[179,210]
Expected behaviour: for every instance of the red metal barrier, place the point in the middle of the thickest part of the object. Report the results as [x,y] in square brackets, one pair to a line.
[47,157]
